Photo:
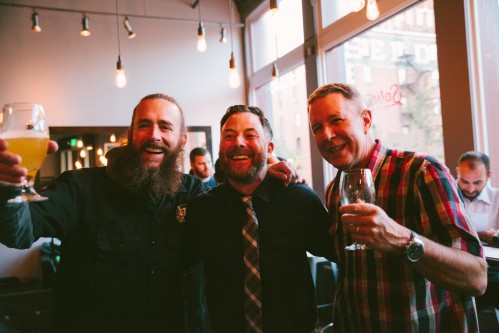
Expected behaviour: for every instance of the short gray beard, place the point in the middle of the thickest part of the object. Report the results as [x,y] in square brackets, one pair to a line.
[165,180]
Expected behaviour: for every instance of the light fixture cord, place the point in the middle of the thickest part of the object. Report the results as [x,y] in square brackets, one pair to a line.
[230,22]
[199,10]
[118,29]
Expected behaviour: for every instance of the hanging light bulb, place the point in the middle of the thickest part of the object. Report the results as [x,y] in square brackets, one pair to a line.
[79,143]
[234,80]
[120,74]
[128,27]
[100,152]
[78,165]
[120,69]
[274,6]
[112,138]
[85,32]
[35,27]
[201,45]
[357,5]
[372,10]
[83,153]
[275,71]
[223,35]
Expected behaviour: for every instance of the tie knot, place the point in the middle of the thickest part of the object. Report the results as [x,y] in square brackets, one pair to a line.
[247,200]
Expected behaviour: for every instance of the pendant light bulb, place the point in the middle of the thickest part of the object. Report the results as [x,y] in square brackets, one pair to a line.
[201,45]
[234,80]
[85,32]
[274,6]
[372,10]
[35,22]
[357,5]
[275,71]
[120,74]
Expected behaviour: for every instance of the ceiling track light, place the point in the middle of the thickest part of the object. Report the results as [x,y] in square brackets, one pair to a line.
[274,6]
[201,43]
[35,27]
[234,80]
[85,32]
[223,35]
[120,69]
[128,27]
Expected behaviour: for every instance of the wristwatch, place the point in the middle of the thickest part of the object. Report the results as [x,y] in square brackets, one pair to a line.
[415,249]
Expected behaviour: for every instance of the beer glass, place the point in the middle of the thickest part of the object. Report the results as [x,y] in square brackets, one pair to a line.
[356,185]
[25,128]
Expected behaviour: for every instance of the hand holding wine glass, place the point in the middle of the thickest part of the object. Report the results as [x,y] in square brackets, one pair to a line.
[356,185]
[24,127]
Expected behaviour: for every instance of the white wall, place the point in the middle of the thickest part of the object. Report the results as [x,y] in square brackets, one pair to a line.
[73,76]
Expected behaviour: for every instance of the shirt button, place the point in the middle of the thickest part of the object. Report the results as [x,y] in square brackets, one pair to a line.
[153,243]
[152,271]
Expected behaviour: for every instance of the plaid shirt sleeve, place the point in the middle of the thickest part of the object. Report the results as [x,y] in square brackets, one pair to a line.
[443,217]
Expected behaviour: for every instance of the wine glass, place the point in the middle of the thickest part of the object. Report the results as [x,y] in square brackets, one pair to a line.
[356,185]
[25,128]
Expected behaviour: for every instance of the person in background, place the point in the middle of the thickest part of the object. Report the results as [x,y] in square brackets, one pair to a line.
[482,203]
[193,284]
[253,234]
[120,228]
[481,199]
[202,166]
[423,263]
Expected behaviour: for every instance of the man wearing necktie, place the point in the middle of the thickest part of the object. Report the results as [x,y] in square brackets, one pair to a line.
[254,233]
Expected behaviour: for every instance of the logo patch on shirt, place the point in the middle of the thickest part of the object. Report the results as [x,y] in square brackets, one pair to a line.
[181,210]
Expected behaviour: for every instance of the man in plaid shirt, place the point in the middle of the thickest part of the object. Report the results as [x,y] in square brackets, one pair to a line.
[423,262]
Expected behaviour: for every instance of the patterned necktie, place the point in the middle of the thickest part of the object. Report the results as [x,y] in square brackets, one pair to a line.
[252,285]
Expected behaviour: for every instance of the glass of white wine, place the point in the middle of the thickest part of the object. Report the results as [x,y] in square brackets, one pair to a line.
[25,128]
[356,185]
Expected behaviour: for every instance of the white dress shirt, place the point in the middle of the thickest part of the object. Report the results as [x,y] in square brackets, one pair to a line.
[484,209]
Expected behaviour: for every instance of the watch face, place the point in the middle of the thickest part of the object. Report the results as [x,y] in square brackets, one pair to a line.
[415,251]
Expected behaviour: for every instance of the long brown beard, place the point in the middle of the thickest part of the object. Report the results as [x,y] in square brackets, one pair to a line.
[130,172]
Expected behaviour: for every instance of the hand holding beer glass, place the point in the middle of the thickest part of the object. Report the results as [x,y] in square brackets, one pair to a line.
[24,127]
[356,186]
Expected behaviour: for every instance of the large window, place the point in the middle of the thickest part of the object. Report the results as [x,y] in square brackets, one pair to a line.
[394,65]
[277,38]
[285,101]
[484,52]
[274,35]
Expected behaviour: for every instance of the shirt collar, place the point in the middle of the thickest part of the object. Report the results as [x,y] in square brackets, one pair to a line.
[484,196]
[233,196]
[377,158]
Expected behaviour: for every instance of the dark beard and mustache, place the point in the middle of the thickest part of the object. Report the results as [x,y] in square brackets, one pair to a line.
[259,161]
[129,171]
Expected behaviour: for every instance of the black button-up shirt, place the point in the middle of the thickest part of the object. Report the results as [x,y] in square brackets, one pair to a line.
[119,252]
[291,221]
